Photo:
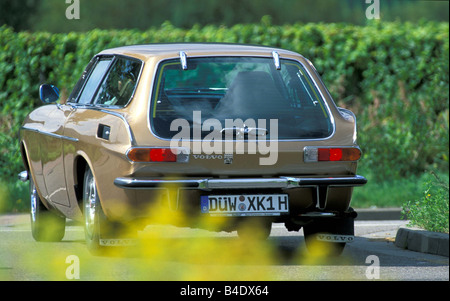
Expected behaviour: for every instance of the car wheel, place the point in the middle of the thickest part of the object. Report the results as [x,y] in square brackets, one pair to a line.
[319,229]
[91,211]
[45,225]
[100,233]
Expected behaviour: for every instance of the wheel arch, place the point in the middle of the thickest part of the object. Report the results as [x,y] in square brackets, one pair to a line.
[80,164]
[24,156]
[31,176]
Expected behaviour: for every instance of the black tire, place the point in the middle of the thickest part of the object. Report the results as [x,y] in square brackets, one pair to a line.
[254,228]
[46,226]
[100,234]
[340,226]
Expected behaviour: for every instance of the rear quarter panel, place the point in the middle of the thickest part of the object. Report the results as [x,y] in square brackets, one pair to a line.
[30,141]
[105,157]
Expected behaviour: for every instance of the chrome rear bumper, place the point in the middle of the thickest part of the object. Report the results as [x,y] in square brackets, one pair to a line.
[321,185]
[242,183]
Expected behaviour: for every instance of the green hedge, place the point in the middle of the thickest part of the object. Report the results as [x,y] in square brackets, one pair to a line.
[394,76]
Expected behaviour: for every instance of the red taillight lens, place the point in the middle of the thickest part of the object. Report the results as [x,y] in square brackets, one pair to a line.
[313,154]
[330,154]
[151,155]
[338,154]
[162,155]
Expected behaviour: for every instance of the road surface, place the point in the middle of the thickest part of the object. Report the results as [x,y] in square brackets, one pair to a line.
[169,253]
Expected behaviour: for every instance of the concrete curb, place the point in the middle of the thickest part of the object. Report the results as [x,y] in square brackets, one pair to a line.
[419,240]
[413,239]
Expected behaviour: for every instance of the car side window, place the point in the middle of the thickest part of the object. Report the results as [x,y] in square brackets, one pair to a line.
[80,83]
[94,80]
[119,84]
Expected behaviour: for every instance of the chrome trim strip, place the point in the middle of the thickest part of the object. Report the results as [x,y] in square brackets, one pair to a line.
[324,99]
[352,115]
[116,114]
[127,125]
[250,183]
[183,60]
[318,214]
[132,183]
[276,60]
[60,136]
[51,134]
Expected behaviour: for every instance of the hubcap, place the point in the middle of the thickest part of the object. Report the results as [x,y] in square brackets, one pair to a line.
[89,209]
[34,200]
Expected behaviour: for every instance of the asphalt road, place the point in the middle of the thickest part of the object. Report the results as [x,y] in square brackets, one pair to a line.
[170,253]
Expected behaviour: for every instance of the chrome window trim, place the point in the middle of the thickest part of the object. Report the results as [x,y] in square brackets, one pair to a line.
[183,60]
[113,61]
[100,57]
[117,56]
[116,114]
[344,111]
[324,99]
[276,60]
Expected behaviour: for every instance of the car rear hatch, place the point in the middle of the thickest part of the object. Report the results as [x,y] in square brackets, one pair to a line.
[238,116]
[231,123]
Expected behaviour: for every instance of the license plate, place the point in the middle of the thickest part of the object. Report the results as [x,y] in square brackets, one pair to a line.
[245,205]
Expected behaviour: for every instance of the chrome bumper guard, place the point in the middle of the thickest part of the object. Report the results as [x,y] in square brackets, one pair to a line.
[23,176]
[321,184]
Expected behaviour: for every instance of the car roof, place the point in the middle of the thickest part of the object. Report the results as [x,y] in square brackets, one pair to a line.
[173,49]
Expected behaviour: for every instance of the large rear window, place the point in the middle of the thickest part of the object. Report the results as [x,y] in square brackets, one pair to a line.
[248,89]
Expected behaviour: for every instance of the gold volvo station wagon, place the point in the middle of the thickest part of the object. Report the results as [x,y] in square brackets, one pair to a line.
[238,132]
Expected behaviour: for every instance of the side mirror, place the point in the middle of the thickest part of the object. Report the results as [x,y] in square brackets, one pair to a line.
[48,93]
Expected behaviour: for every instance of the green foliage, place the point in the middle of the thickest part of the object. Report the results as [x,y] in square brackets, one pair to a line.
[389,193]
[431,212]
[14,196]
[17,14]
[142,14]
[394,76]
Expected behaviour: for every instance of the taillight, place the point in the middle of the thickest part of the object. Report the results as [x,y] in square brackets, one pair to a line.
[320,154]
[154,154]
